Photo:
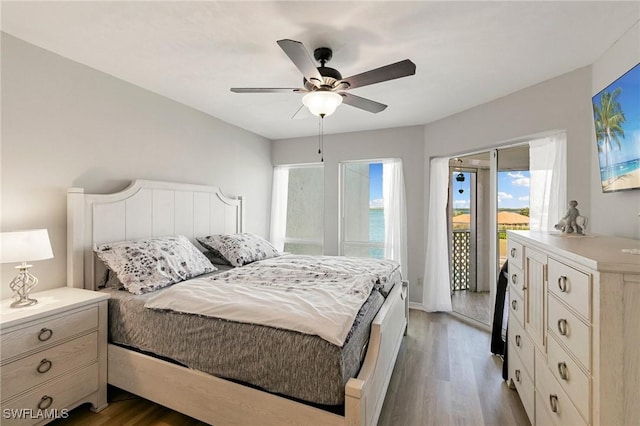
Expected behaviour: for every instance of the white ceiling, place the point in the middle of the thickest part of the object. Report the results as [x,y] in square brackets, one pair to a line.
[466,53]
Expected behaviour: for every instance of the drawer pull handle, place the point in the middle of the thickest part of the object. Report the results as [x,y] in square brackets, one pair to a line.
[518,340]
[45,334]
[563,371]
[518,376]
[514,278]
[514,305]
[45,402]
[562,283]
[553,401]
[562,327]
[44,366]
[514,252]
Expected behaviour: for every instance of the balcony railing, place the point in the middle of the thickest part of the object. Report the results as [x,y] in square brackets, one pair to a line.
[460,257]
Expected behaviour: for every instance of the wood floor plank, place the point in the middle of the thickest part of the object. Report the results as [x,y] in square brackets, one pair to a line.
[445,375]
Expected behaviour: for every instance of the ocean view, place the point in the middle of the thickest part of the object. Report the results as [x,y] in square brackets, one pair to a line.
[376,225]
[376,231]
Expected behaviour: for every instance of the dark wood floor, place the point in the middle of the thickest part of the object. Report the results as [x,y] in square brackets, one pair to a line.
[445,375]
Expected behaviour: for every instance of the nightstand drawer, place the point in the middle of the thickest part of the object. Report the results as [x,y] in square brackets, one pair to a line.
[570,331]
[44,333]
[55,395]
[571,286]
[37,368]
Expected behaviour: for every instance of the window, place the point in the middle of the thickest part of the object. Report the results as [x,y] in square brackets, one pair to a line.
[363,215]
[297,216]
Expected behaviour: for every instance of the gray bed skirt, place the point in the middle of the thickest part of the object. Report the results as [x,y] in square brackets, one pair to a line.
[284,362]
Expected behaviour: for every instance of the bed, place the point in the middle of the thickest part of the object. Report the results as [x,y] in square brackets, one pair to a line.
[151,208]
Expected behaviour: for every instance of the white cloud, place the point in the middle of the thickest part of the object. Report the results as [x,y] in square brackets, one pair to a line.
[525,198]
[460,204]
[376,204]
[523,181]
[504,196]
[518,179]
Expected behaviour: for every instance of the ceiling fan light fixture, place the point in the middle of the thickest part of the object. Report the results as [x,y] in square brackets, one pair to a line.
[322,103]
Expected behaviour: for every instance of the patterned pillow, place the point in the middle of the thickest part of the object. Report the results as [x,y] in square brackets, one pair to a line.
[153,263]
[239,249]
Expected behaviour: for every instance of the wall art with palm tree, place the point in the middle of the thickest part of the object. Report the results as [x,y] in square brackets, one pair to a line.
[616,112]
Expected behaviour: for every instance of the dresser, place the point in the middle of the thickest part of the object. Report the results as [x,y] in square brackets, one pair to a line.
[574,328]
[53,356]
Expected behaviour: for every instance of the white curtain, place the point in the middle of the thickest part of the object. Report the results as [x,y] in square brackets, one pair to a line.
[279,194]
[548,181]
[395,213]
[437,281]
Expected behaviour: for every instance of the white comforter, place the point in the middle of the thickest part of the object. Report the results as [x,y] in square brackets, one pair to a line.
[318,295]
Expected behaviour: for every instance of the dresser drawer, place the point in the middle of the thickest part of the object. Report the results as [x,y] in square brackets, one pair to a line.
[54,395]
[571,331]
[543,415]
[554,398]
[523,382]
[515,254]
[516,280]
[44,333]
[516,307]
[574,381]
[571,286]
[522,345]
[35,369]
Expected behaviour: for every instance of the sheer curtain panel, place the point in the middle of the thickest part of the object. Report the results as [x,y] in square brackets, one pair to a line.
[395,213]
[279,195]
[548,181]
[437,280]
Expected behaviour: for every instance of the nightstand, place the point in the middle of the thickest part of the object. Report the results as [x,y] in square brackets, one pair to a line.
[53,355]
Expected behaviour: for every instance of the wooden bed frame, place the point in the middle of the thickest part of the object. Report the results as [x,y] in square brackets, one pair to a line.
[151,208]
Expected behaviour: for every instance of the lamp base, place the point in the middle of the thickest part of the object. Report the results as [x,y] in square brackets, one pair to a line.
[22,285]
[23,303]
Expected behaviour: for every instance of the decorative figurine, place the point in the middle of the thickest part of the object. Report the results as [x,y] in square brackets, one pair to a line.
[572,221]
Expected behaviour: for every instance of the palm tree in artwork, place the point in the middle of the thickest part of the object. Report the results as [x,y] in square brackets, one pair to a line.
[608,121]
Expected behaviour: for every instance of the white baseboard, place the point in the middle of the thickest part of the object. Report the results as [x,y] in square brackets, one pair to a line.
[417,306]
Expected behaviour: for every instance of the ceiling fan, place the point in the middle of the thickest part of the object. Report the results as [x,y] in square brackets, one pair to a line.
[325,88]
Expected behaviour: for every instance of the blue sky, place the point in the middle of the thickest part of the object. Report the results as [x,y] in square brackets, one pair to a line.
[630,102]
[375,185]
[513,190]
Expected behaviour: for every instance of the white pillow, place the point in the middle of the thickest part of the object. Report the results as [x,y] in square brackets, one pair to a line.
[150,264]
[239,249]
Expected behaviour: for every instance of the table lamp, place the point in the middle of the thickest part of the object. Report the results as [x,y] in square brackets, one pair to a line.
[23,247]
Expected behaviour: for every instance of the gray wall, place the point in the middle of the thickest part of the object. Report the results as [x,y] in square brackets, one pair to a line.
[65,124]
[614,213]
[406,143]
[562,103]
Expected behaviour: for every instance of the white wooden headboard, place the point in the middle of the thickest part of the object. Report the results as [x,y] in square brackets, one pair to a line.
[145,209]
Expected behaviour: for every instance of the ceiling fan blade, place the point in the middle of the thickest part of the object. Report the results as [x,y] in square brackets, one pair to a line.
[388,72]
[265,90]
[362,103]
[301,59]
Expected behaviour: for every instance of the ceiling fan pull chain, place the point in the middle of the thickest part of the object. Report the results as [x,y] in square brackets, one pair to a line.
[321,150]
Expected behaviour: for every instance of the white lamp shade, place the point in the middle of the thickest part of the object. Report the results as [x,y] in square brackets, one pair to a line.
[25,246]
[322,103]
